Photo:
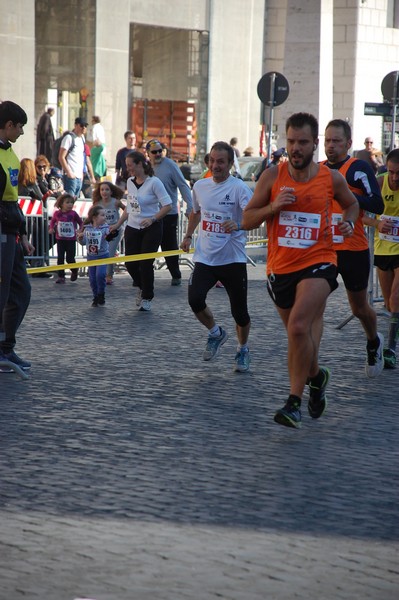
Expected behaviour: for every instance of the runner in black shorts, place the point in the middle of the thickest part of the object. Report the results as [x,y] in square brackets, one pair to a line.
[296,199]
[353,253]
[282,288]
[220,254]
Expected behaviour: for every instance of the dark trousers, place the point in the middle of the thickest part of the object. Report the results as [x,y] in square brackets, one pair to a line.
[169,242]
[142,241]
[66,251]
[15,290]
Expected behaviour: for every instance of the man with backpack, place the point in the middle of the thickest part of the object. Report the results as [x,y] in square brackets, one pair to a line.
[72,157]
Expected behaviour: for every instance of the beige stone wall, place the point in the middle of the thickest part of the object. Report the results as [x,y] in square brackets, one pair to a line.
[17,65]
[298,44]
[235,68]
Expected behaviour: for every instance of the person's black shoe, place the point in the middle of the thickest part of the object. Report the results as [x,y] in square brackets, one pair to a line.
[74,276]
[95,301]
[101,299]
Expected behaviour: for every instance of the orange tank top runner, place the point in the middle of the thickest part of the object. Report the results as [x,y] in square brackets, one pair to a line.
[300,235]
[357,241]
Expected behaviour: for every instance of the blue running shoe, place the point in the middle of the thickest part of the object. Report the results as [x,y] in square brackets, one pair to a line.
[242,360]
[213,345]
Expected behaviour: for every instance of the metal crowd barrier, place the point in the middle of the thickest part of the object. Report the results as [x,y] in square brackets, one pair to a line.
[38,216]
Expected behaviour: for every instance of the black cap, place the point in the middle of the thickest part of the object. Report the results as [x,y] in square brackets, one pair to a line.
[81,121]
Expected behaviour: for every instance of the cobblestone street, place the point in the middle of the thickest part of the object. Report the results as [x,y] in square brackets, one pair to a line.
[132,470]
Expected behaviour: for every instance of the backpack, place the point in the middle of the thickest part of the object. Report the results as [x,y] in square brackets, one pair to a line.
[55,162]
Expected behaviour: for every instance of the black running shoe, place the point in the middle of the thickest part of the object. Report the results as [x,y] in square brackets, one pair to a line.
[289,415]
[317,395]
[95,301]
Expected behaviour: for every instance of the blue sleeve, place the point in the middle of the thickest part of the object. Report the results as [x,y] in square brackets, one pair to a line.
[361,176]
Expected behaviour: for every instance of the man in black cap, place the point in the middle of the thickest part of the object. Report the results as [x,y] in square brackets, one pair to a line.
[72,157]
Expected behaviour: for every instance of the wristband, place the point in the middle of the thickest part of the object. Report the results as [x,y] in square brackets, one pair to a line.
[153,219]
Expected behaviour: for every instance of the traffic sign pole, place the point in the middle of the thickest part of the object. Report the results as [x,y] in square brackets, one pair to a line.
[271,104]
[395,108]
[273,89]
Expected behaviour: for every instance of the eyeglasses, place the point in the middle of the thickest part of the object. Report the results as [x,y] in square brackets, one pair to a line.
[41,167]
[156,151]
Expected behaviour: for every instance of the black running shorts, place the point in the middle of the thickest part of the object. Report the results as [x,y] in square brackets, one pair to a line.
[354,268]
[386,262]
[282,288]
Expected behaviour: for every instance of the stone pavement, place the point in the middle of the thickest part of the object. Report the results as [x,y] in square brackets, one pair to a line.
[132,470]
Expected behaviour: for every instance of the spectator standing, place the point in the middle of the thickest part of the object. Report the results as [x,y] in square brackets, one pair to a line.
[386,251]
[233,144]
[72,157]
[29,185]
[248,151]
[120,160]
[88,175]
[220,252]
[97,156]
[109,197]
[45,134]
[371,155]
[295,198]
[172,178]
[147,204]
[15,289]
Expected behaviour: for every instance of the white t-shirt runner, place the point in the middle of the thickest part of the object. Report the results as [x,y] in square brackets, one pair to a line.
[144,202]
[219,202]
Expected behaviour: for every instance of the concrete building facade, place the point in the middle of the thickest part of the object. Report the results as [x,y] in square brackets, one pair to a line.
[94,57]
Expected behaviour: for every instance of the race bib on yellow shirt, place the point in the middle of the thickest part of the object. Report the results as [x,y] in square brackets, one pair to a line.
[393,234]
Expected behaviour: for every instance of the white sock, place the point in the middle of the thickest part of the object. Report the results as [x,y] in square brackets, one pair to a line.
[215,331]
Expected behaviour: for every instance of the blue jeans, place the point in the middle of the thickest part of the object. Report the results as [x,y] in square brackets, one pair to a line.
[72,186]
[97,276]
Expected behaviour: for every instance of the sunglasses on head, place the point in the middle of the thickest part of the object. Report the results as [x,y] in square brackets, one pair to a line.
[156,151]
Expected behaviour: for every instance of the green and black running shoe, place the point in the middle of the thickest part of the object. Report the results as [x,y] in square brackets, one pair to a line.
[289,415]
[317,395]
[389,358]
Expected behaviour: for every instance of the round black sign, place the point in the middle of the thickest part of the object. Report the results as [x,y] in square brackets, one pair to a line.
[388,87]
[281,89]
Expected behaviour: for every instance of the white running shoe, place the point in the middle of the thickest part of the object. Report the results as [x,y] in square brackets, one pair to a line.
[375,359]
[145,305]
